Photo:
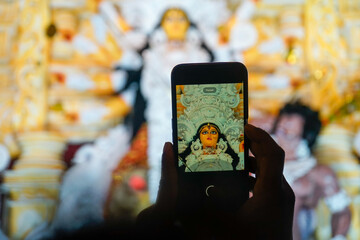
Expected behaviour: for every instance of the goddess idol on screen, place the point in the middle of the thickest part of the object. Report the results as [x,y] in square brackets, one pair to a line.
[210,127]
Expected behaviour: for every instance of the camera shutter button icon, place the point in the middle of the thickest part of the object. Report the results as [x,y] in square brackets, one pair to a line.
[207,190]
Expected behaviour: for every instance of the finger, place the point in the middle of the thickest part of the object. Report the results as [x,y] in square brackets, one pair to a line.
[255,134]
[288,191]
[167,193]
[168,166]
[263,146]
[269,156]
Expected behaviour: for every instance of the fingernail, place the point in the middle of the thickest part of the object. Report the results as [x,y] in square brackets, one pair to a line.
[166,146]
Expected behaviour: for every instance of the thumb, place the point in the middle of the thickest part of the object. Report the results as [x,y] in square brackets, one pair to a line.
[167,193]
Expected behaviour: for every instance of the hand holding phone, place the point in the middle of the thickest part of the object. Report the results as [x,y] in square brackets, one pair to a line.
[205,176]
[267,215]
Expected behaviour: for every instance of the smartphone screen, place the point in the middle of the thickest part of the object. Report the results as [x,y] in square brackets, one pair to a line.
[210,127]
[209,112]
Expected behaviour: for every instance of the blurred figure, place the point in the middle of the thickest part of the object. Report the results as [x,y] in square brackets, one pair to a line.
[295,130]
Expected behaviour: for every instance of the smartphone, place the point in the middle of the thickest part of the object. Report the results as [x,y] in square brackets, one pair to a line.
[209,112]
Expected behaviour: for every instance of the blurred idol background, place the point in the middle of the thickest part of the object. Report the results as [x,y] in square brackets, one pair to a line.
[85,105]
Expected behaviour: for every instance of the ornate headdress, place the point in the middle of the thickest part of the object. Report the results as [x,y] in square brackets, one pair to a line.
[210,104]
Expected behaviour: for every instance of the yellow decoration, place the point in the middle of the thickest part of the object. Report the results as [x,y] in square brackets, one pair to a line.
[66,23]
[323,229]
[123,24]
[225,30]
[8,12]
[103,84]
[325,54]
[118,107]
[102,53]
[267,30]
[92,5]
[292,56]
[354,231]
[31,66]
[25,216]
[45,190]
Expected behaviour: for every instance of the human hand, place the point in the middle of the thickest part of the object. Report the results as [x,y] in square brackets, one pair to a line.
[267,215]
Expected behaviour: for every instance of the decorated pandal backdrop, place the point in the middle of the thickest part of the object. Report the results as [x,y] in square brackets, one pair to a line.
[85,103]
